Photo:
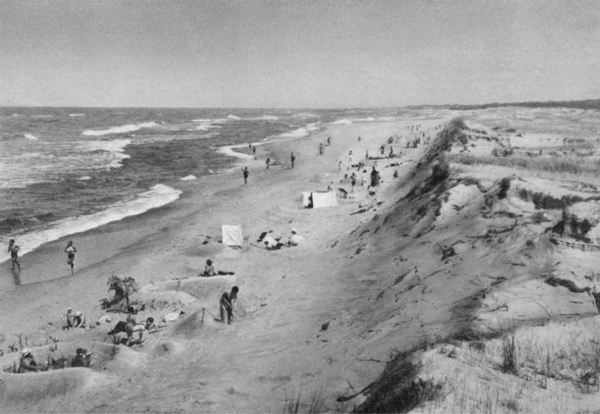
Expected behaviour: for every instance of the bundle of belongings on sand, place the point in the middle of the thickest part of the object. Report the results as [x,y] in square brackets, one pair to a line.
[272,240]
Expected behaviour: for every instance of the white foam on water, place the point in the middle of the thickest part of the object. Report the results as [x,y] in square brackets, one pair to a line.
[189,178]
[228,150]
[297,133]
[119,130]
[202,120]
[76,114]
[157,196]
[342,122]
[42,116]
[29,136]
[85,178]
[235,118]
[305,115]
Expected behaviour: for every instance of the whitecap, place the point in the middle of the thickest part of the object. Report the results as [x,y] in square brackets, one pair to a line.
[76,114]
[85,178]
[188,178]
[29,136]
[234,117]
[157,196]
[342,122]
[119,130]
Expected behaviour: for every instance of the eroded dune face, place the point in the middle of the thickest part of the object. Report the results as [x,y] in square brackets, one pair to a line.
[471,267]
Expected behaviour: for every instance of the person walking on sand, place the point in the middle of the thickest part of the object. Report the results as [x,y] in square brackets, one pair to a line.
[292,158]
[246,173]
[321,148]
[253,149]
[268,161]
[71,250]
[13,249]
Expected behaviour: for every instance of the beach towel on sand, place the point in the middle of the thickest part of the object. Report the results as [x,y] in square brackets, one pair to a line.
[232,235]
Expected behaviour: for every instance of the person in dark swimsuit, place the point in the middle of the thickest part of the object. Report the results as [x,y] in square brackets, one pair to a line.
[70,250]
[13,249]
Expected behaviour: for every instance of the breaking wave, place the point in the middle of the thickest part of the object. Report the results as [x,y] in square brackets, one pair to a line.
[157,196]
[119,130]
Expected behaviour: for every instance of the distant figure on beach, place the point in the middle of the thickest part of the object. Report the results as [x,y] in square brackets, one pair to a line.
[328,140]
[268,161]
[391,155]
[359,139]
[249,145]
[56,360]
[225,308]
[294,239]
[209,269]
[228,304]
[13,249]
[245,173]
[69,317]
[71,250]
[321,148]
[82,358]
[254,149]
[292,158]
[79,320]
[395,173]
[374,177]
[27,362]
[353,181]
[366,153]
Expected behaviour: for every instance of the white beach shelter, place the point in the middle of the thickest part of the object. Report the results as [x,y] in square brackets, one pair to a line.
[306,199]
[232,235]
[324,199]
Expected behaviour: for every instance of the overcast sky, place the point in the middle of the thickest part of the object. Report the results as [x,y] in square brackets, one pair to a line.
[330,53]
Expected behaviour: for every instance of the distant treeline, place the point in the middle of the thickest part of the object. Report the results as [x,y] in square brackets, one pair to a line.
[587,104]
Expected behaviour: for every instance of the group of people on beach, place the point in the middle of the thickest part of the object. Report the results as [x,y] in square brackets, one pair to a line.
[13,250]
[55,360]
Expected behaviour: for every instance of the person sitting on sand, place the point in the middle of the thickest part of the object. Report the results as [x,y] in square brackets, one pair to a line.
[71,250]
[209,269]
[79,320]
[28,363]
[69,317]
[13,249]
[56,360]
[295,239]
[82,358]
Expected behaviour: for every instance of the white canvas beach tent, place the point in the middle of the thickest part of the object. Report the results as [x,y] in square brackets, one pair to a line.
[232,235]
[319,199]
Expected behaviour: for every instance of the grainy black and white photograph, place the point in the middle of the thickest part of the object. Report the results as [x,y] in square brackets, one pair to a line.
[299,206]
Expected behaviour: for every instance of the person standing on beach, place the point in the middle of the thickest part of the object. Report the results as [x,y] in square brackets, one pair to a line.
[268,161]
[292,158]
[13,249]
[71,250]
[226,309]
[246,173]
[254,150]
[321,148]
[353,181]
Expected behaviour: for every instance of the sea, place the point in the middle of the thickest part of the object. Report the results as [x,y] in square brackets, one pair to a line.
[68,170]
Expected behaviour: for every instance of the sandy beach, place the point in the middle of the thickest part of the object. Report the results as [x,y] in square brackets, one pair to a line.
[420,264]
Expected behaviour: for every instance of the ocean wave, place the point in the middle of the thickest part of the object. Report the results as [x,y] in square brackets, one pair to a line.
[115,145]
[119,130]
[305,115]
[157,196]
[235,118]
[76,114]
[201,120]
[229,150]
[42,116]
[188,178]
[29,136]
[342,122]
[300,132]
